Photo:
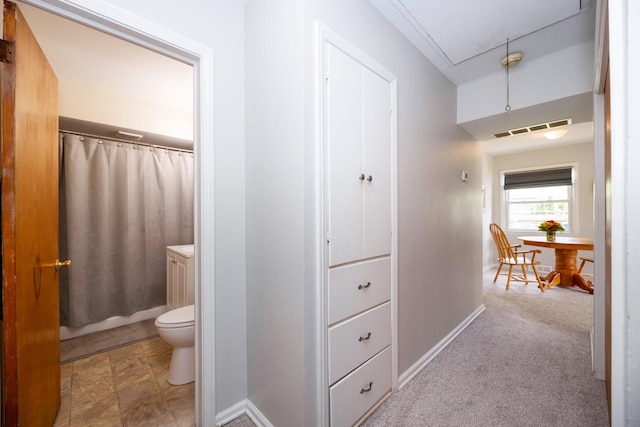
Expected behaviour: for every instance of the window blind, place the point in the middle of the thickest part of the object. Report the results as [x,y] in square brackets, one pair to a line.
[538,178]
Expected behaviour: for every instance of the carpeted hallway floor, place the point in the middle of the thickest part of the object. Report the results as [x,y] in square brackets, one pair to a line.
[525,361]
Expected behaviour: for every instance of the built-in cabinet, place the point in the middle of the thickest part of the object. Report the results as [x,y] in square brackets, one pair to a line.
[180,276]
[359,197]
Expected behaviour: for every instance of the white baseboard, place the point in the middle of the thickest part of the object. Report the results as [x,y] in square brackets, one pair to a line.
[428,357]
[247,407]
[232,413]
[256,416]
[542,269]
[241,408]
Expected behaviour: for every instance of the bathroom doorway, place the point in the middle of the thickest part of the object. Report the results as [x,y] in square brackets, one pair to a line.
[198,57]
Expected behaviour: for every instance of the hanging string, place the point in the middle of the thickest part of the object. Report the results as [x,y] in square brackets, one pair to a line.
[507,107]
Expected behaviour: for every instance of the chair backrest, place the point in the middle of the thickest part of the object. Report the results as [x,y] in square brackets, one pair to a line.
[505,249]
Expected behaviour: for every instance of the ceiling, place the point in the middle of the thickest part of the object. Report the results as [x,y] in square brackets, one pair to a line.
[466,40]
[472,50]
[92,59]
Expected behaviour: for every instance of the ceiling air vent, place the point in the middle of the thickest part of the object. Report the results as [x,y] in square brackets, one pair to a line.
[533,128]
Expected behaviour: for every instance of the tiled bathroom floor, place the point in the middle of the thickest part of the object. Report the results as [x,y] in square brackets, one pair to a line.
[125,387]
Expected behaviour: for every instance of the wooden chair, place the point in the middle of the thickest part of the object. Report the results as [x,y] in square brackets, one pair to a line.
[584,261]
[580,276]
[510,255]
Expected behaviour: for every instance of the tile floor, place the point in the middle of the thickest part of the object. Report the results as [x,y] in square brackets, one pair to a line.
[125,387]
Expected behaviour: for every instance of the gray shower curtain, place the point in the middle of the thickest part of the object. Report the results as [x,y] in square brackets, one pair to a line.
[121,205]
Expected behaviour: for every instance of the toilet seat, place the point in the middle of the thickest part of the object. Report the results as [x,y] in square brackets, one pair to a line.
[178,318]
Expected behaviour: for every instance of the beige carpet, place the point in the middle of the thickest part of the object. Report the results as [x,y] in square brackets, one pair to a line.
[525,361]
[99,342]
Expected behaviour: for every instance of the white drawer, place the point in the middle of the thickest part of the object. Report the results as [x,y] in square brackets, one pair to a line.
[356,340]
[354,288]
[352,397]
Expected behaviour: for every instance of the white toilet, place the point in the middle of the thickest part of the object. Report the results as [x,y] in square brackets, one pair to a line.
[176,327]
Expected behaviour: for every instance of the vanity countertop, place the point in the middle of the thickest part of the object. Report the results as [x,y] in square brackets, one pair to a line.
[183,250]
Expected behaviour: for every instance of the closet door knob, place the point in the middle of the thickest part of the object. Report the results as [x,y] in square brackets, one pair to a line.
[361,177]
[369,178]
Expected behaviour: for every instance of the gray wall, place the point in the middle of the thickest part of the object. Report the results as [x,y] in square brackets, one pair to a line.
[220,25]
[439,216]
[430,200]
[440,238]
[275,196]
[582,154]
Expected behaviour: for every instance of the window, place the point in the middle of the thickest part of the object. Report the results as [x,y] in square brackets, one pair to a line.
[537,195]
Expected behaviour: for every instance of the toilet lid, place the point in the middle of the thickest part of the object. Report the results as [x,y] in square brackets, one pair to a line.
[180,317]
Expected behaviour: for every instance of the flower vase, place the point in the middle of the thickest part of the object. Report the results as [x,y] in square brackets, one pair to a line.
[551,236]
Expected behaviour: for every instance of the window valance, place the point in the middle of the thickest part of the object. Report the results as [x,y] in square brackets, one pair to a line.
[538,178]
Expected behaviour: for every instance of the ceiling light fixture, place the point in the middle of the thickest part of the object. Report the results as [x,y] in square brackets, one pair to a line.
[555,134]
[129,135]
[510,60]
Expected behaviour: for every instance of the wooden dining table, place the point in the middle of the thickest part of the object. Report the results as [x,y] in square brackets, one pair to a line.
[566,252]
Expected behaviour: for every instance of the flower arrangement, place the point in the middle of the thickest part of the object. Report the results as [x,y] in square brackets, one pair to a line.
[550,225]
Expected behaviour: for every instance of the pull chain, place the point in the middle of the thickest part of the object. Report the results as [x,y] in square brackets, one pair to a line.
[507,107]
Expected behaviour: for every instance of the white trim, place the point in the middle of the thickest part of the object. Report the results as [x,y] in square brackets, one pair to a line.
[242,408]
[333,38]
[598,359]
[322,258]
[431,354]
[256,416]
[601,56]
[619,78]
[231,413]
[124,25]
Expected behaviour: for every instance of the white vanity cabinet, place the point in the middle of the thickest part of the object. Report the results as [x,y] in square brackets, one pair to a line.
[359,197]
[180,276]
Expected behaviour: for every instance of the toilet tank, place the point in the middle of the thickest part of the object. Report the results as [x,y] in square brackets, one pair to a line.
[180,276]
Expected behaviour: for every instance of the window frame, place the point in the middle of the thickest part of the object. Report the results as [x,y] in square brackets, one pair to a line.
[574,226]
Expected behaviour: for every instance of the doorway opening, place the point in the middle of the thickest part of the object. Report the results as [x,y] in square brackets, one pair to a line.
[140,32]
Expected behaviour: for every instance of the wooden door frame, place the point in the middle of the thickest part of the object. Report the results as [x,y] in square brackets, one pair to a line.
[135,29]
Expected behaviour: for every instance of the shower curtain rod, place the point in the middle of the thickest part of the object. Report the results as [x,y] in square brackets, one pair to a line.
[126,141]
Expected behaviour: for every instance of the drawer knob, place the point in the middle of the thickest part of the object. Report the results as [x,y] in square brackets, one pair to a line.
[361,177]
[365,338]
[368,389]
[364,286]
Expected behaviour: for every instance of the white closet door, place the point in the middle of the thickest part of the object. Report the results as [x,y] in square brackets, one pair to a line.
[377,164]
[344,137]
